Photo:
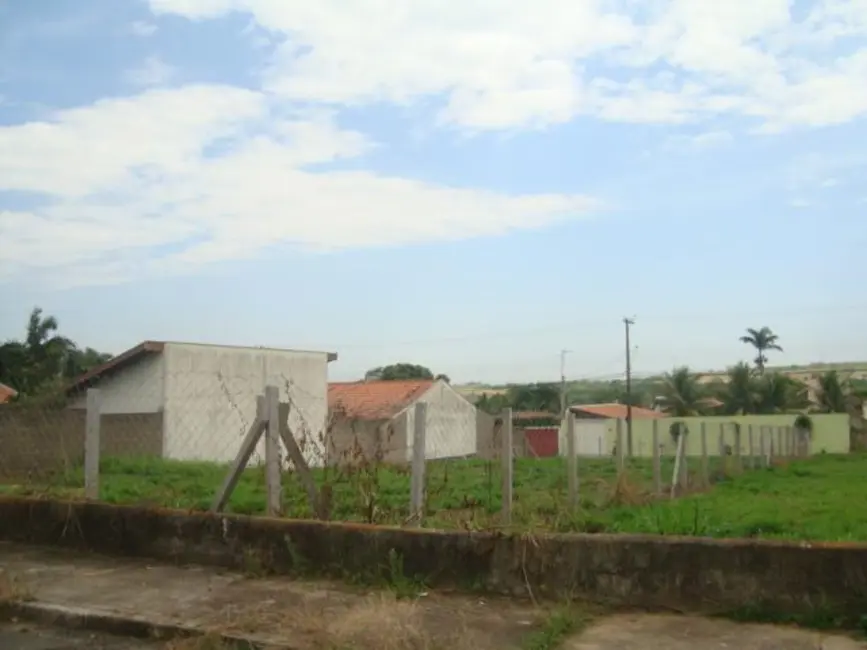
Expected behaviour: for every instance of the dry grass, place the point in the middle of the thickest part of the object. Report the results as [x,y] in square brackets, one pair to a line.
[626,492]
[379,622]
[12,588]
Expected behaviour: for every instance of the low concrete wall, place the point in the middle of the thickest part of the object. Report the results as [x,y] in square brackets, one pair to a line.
[644,571]
[37,443]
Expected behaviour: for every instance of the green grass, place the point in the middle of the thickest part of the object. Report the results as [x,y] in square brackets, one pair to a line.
[823,498]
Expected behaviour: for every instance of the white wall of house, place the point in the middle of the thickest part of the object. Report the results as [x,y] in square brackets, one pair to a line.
[210,397]
[591,437]
[450,429]
[137,388]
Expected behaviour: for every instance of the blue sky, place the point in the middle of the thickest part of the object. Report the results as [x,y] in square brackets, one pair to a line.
[471,188]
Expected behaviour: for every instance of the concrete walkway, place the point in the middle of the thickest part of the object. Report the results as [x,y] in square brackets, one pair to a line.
[26,636]
[304,615]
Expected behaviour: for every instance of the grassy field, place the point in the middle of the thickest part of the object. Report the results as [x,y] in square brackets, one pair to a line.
[823,498]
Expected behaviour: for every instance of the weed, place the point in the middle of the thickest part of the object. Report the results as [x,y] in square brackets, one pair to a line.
[560,624]
[398,582]
[251,564]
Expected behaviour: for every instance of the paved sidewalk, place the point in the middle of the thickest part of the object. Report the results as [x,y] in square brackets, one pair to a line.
[25,636]
[305,615]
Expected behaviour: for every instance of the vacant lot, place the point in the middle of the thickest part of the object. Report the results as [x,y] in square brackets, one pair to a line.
[822,498]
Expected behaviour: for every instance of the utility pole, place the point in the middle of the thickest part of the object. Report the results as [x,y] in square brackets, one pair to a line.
[563,354]
[627,322]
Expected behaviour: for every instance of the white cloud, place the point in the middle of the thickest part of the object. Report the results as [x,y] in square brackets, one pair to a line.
[497,65]
[212,173]
[153,72]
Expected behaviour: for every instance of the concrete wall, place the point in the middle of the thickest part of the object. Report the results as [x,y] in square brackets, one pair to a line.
[137,388]
[451,424]
[352,442]
[36,444]
[773,579]
[830,433]
[211,395]
[591,437]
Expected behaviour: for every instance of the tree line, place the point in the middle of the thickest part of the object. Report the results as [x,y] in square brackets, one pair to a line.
[43,362]
[753,389]
[744,389]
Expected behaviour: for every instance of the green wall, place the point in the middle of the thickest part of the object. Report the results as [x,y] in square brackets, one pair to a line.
[830,433]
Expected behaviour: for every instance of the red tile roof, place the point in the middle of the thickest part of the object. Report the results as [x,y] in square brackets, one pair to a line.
[7,393]
[375,400]
[615,411]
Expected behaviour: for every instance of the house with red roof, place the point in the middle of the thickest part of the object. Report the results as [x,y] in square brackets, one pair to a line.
[374,421]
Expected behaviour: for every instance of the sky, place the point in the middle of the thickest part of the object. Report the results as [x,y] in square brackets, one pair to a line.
[471,186]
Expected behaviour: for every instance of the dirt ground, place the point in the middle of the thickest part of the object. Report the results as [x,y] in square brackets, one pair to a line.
[312,615]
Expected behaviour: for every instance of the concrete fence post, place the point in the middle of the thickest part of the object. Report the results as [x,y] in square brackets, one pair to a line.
[657,461]
[621,452]
[678,461]
[571,460]
[739,461]
[273,483]
[419,433]
[507,458]
[705,463]
[91,443]
[763,446]
[684,462]
[751,459]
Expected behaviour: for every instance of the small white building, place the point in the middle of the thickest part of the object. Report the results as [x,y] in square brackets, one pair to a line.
[377,418]
[207,394]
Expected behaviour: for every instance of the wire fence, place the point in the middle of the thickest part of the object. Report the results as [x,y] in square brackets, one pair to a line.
[228,443]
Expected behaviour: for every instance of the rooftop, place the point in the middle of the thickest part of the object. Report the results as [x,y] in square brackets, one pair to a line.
[615,411]
[375,400]
[145,348]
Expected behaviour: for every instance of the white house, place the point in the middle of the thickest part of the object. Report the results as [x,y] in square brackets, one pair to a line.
[379,416]
[207,393]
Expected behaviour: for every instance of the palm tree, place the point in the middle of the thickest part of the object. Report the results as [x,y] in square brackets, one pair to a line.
[833,395]
[778,393]
[740,395]
[682,394]
[762,340]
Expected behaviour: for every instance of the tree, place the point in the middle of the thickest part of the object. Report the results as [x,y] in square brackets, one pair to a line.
[762,340]
[44,359]
[682,394]
[739,394]
[535,397]
[397,371]
[79,361]
[833,394]
[493,403]
[779,393]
